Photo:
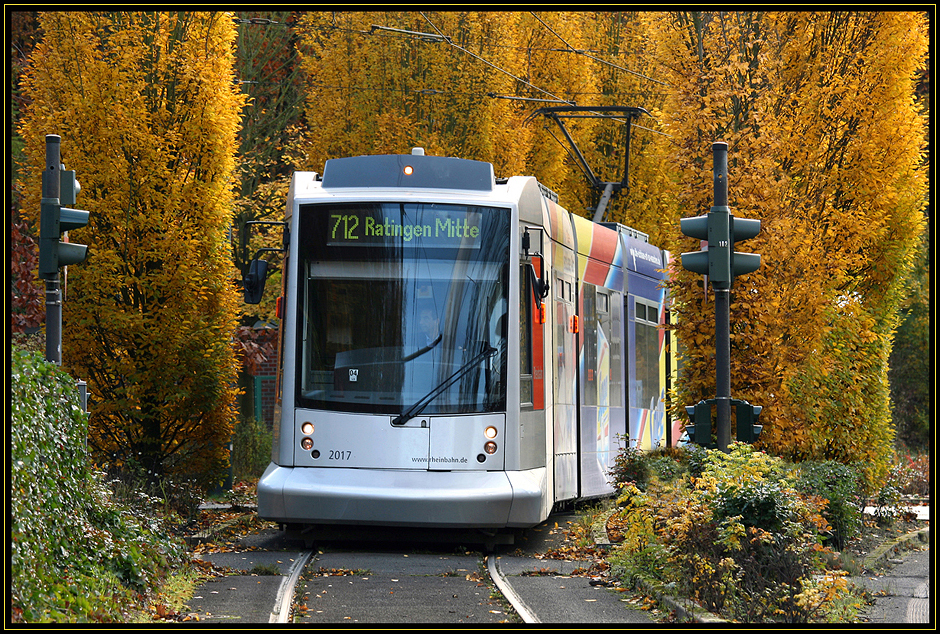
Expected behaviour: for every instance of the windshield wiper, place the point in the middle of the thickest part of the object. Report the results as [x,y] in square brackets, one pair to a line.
[423,402]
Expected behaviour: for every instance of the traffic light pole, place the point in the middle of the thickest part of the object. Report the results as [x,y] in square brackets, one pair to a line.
[722,309]
[720,263]
[50,190]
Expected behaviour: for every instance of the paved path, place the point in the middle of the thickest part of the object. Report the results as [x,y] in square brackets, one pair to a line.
[902,591]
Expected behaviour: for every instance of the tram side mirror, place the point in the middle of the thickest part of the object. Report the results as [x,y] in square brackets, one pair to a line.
[254,281]
[539,283]
[538,280]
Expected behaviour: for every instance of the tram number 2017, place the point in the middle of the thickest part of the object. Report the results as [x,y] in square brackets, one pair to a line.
[338,454]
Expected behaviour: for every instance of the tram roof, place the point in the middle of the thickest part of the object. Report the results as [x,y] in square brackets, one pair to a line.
[413,171]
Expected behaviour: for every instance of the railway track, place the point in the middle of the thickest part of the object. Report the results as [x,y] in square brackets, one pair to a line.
[281,584]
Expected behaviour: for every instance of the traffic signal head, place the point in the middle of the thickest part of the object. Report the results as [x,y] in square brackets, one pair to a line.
[722,230]
[747,428]
[699,428]
[721,263]
[56,219]
[716,261]
[744,229]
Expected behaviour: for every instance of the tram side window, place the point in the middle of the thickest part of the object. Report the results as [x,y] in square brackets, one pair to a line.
[609,309]
[590,338]
[647,354]
[525,337]
[602,348]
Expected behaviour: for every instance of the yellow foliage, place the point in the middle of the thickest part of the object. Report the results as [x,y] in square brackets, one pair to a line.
[375,91]
[825,146]
[148,112]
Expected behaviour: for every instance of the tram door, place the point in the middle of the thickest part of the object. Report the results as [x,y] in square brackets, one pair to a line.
[564,362]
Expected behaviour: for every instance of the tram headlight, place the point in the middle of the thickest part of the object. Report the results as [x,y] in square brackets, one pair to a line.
[490,432]
[490,447]
[306,443]
[307,428]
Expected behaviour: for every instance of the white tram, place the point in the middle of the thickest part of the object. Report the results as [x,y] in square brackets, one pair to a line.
[456,350]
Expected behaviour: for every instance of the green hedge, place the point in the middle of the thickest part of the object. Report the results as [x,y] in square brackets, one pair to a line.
[75,555]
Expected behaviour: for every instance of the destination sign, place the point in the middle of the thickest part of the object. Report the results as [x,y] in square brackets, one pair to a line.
[369,226]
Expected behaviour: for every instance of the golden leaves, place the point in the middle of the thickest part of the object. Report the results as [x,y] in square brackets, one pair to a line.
[824,147]
[151,129]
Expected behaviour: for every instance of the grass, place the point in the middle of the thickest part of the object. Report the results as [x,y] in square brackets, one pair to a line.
[170,603]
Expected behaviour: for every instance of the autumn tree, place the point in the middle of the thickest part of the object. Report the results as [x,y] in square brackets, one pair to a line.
[910,372]
[558,74]
[268,71]
[910,364]
[467,83]
[825,146]
[27,310]
[148,112]
[384,82]
[613,61]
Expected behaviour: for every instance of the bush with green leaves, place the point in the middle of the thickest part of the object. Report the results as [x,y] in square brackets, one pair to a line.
[75,554]
[251,448]
[843,489]
[738,538]
[631,466]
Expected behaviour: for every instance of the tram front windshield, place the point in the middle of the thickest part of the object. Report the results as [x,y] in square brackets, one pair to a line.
[403,308]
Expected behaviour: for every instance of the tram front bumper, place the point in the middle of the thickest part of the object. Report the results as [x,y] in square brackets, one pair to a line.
[467,499]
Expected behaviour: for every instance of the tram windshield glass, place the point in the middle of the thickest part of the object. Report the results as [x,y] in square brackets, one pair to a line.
[403,308]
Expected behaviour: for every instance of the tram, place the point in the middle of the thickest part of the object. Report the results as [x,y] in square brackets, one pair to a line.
[456,350]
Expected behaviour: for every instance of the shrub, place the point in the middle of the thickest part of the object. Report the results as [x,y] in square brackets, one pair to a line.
[251,448]
[906,477]
[842,487]
[75,554]
[738,538]
[755,504]
[913,474]
[694,456]
[667,464]
[630,467]
[640,553]
[170,497]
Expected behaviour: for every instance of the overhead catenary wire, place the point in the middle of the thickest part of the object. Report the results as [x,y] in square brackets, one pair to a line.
[519,79]
[596,59]
[440,37]
[490,64]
